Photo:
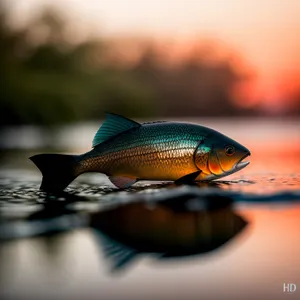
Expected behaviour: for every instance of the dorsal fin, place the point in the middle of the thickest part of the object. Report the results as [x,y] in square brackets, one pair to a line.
[153,122]
[112,126]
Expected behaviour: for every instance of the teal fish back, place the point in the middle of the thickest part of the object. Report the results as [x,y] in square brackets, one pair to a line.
[161,134]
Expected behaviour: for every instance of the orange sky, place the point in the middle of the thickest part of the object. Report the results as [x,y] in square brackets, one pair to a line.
[265,33]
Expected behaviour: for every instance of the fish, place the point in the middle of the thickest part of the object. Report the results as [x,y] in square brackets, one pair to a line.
[134,230]
[128,151]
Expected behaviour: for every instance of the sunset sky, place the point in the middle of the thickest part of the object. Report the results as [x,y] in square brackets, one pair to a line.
[264,33]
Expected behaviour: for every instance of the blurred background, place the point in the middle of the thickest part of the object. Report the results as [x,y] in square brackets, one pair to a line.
[69,61]
[232,65]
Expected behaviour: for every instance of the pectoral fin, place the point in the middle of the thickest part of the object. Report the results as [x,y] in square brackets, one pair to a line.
[122,182]
[188,178]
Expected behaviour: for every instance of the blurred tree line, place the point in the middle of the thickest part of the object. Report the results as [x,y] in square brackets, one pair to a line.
[50,81]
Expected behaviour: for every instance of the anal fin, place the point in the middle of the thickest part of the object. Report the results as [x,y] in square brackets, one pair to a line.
[122,182]
[188,178]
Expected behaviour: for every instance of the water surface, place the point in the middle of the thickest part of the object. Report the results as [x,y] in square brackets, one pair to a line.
[234,238]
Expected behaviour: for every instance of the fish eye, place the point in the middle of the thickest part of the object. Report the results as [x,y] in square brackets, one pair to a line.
[229,150]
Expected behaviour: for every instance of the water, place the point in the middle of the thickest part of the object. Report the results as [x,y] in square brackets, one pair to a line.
[230,239]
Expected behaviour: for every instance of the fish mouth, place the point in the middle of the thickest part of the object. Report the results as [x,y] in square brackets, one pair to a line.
[241,164]
[238,166]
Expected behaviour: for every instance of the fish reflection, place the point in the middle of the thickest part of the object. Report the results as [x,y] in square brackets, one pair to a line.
[54,216]
[166,231]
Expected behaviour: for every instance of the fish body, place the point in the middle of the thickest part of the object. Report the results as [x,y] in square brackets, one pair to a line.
[127,151]
[156,151]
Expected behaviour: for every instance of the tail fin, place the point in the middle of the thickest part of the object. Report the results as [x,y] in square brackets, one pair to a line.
[58,170]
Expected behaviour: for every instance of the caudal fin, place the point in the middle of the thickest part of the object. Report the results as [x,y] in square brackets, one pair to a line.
[58,170]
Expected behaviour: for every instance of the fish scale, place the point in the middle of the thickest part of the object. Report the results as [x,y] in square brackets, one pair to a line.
[141,153]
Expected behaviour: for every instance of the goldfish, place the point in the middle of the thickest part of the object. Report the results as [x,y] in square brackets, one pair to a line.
[128,151]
